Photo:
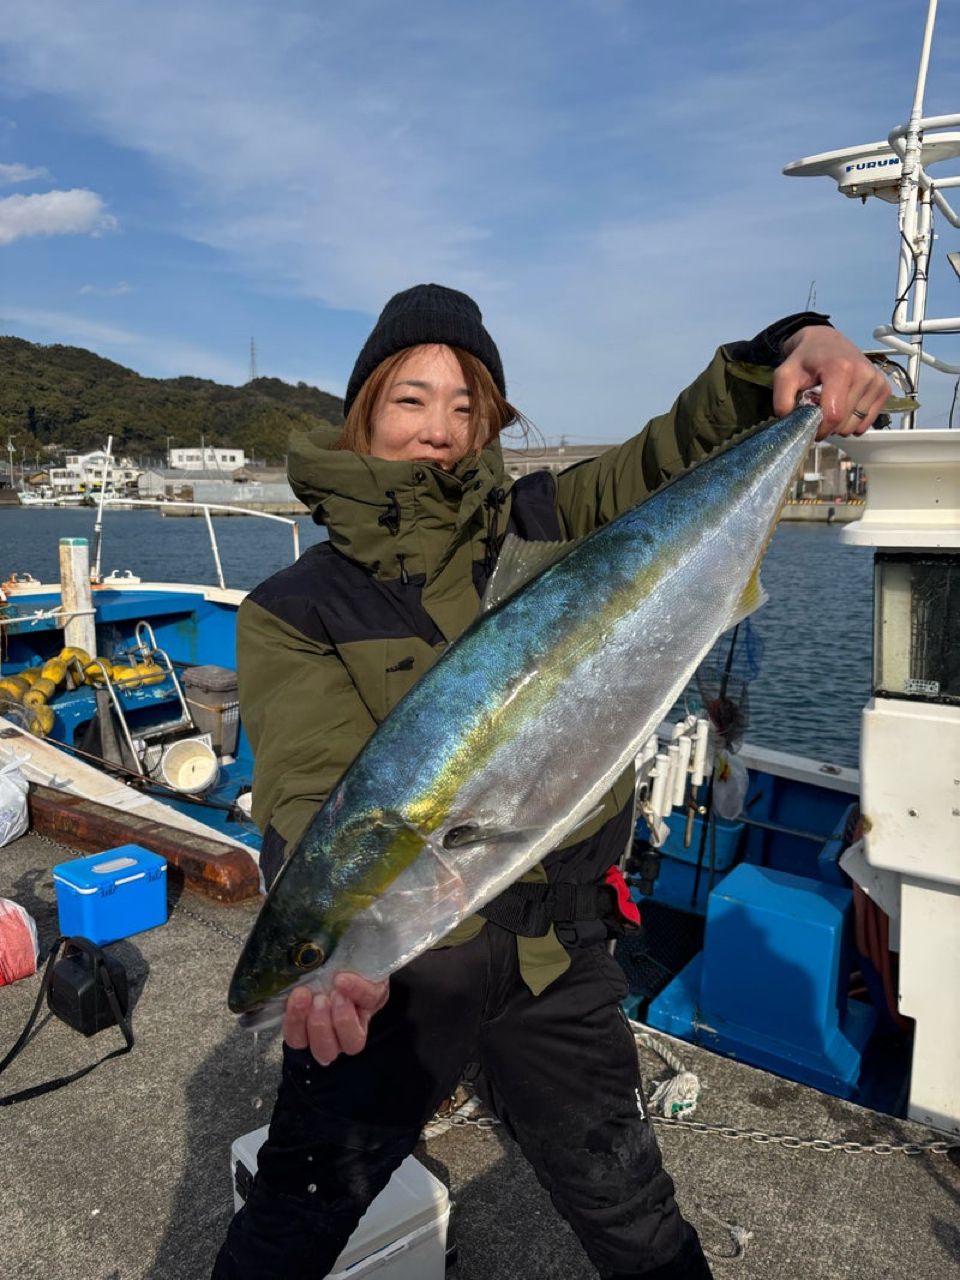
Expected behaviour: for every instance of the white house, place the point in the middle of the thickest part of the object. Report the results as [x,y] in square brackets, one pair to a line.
[83,473]
[205,458]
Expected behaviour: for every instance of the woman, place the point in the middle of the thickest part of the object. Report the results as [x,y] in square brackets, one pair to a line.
[416,502]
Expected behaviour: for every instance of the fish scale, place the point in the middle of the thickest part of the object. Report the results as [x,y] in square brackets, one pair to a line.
[512,738]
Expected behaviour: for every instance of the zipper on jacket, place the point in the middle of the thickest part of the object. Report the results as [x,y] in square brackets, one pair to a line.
[494,502]
[390,519]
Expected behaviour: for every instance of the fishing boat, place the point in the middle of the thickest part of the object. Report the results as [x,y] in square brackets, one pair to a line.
[800,916]
[142,718]
[814,930]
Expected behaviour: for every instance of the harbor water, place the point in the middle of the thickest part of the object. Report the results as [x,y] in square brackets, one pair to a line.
[814,674]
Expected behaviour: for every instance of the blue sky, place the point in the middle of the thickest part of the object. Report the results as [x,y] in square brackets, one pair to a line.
[604,177]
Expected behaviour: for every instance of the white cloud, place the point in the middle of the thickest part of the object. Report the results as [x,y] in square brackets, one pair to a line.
[604,177]
[106,291]
[11,173]
[53,213]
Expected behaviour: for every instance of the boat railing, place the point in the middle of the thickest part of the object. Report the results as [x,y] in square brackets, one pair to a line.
[58,615]
[918,194]
[206,508]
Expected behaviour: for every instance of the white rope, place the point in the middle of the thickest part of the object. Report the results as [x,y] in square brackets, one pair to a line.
[740,1236]
[678,1095]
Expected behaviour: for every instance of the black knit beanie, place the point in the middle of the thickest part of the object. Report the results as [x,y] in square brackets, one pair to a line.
[427,313]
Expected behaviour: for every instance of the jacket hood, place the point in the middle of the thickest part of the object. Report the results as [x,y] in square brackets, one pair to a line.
[394,516]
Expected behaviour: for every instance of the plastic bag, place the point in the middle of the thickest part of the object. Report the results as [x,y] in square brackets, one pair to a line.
[19,948]
[730,782]
[14,818]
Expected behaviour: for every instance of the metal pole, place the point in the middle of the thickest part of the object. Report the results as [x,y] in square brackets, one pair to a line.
[98,527]
[910,252]
[214,547]
[924,253]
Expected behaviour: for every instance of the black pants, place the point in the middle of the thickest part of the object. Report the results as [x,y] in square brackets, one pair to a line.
[561,1071]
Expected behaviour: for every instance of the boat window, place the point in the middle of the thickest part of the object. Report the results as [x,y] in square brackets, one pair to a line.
[917,641]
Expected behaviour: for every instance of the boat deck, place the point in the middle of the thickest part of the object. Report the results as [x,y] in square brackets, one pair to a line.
[124,1173]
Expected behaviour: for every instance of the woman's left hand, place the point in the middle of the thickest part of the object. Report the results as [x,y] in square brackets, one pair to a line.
[854,390]
[334,1024]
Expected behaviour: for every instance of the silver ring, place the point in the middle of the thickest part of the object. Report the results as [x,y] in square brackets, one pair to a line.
[858,413]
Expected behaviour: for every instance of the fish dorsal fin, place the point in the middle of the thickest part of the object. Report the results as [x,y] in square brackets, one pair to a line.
[751,598]
[518,563]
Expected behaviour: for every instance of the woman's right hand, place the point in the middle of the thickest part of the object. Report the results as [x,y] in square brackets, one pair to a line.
[329,1025]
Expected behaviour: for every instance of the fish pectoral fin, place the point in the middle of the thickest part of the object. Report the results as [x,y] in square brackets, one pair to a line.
[468,834]
[751,598]
[520,562]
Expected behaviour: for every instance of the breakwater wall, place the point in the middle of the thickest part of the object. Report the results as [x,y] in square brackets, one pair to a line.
[824,512]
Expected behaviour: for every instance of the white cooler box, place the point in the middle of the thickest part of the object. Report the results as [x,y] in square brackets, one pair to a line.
[403,1233]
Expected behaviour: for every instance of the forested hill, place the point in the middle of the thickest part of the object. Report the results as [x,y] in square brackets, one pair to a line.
[70,398]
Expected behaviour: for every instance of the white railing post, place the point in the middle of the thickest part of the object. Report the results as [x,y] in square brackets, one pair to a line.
[213,546]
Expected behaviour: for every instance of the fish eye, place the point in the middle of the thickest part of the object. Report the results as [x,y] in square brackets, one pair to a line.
[307,955]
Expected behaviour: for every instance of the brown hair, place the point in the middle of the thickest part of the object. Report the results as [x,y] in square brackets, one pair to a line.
[490,412]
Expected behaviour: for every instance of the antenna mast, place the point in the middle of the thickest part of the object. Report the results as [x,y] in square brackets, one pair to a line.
[253,359]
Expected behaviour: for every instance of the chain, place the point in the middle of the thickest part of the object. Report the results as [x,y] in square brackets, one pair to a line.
[463,1118]
[474,1122]
[932,1146]
[181,910]
[57,844]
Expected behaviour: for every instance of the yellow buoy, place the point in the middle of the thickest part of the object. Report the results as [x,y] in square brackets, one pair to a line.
[72,651]
[126,677]
[31,674]
[41,692]
[93,671]
[41,722]
[12,688]
[151,672]
[55,670]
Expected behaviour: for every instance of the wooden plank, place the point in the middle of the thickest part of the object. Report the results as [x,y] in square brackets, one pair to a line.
[221,871]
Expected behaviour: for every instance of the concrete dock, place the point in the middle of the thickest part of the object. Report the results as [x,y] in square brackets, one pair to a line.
[124,1173]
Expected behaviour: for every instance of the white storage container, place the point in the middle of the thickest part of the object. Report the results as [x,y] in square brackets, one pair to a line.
[402,1236]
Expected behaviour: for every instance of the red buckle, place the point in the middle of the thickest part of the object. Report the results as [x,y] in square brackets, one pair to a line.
[625,904]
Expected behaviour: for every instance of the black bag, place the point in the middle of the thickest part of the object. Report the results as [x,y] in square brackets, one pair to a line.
[86,989]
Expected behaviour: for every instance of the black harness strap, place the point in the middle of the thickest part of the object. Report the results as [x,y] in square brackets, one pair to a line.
[530,909]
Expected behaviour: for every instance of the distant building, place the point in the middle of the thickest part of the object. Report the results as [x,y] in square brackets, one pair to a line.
[205,458]
[84,474]
[829,475]
[520,462]
[170,482]
[263,487]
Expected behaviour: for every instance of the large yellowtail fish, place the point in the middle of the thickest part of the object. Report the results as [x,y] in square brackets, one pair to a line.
[512,738]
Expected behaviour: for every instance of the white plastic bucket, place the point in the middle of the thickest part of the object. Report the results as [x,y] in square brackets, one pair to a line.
[189,766]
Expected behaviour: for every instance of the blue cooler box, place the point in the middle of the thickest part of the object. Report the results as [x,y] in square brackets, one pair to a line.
[110,895]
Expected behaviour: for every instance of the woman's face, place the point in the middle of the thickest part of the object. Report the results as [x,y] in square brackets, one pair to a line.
[423,413]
